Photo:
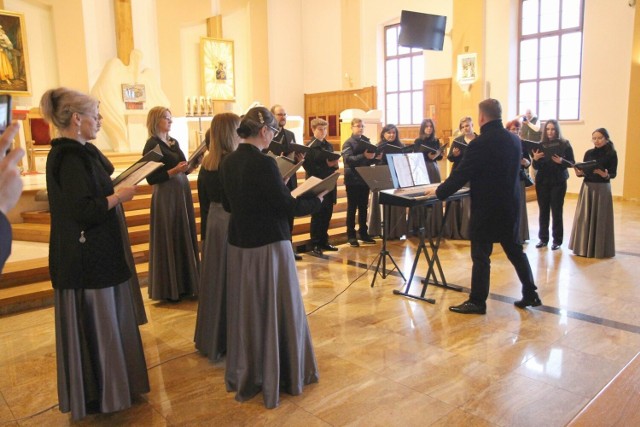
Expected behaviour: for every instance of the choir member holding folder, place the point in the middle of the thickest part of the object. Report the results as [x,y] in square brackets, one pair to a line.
[357,151]
[551,182]
[317,163]
[397,221]
[211,321]
[592,233]
[457,225]
[268,342]
[430,147]
[173,246]
[99,354]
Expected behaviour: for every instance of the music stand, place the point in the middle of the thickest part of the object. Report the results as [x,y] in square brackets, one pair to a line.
[379,178]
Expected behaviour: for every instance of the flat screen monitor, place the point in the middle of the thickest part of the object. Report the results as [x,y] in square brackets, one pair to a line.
[422,30]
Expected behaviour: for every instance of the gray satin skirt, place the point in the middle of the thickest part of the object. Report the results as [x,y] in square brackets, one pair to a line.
[592,234]
[211,320]
[269,346]
[136,293]
[99,355]
[523,231]
[174,266]
[397,222]
[457,225]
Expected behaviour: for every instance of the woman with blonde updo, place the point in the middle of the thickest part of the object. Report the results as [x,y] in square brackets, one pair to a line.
[99,355]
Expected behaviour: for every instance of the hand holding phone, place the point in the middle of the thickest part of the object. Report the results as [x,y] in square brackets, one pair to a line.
[5,112]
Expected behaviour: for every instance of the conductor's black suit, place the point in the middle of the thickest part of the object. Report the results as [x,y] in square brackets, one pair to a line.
[491,165]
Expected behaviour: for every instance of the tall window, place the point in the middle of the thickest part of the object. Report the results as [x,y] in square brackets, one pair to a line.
[404,74]
[550,63]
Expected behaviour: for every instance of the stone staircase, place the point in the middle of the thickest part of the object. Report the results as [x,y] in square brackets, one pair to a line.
[25,284]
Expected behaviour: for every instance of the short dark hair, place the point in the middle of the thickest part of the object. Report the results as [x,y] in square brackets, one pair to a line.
[491,108]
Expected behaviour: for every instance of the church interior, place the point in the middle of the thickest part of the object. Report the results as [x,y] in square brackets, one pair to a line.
[383,358]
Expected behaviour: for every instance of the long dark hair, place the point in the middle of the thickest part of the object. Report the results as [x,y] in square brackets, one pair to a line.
[423,126]
[555,123]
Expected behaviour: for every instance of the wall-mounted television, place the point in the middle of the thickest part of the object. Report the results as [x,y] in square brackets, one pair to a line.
[422,30]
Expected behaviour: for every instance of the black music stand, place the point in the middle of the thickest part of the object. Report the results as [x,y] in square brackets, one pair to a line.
[379,178]
[433,260]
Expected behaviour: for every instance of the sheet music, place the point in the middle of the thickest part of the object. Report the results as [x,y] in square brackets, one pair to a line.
[410,169]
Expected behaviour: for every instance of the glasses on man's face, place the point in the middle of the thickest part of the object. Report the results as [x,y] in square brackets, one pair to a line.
[359,126]
[281,114]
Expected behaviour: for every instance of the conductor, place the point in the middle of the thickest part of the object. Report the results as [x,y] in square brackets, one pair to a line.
[491,165]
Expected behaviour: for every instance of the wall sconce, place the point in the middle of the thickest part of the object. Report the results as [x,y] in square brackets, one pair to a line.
[467,70]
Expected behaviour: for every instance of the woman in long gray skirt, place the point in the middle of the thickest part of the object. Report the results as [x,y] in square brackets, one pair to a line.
[211,321]
[592,233]
[99,354]
[173,243]
[268,341]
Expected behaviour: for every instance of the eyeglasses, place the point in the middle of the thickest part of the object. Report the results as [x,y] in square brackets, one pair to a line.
[96,118]
[282,114]
[272,128]
[359,126]
[167,118]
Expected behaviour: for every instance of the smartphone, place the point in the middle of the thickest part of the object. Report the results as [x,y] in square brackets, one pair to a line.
[5,112]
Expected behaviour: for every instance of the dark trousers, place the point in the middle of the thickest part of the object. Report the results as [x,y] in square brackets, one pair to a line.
[551,199]
[320,222]
[480,272]
[357,199]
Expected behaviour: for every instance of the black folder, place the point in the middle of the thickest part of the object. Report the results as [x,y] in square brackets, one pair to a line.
[586,167]
[154,155]
[459,145]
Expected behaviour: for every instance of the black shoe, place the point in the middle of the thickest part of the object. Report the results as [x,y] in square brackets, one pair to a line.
[354,242]
[528,302]
[367,239]
[556,246]
[316,250]
[298,257]
[328,247]
[468,307]
[541,244]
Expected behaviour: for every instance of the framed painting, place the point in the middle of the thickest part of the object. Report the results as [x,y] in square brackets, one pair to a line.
[218,71]
[14,59]
[467,68]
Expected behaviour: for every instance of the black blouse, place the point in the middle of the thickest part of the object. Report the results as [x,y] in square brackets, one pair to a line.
[171,156]
[607,158]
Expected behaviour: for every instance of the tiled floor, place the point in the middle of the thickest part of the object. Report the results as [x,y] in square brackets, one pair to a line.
[386,359]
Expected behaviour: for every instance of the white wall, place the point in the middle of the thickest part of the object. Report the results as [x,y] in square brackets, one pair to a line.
[606,69]
[322,47]
[285,55]
[100,36]
[145,33]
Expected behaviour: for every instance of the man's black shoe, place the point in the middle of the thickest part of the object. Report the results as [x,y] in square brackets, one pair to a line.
[556,246]
[328,247]
[468,307]
[298,257]
[316,250]
[367,239]
[541,245]
[354,242]
[528,302]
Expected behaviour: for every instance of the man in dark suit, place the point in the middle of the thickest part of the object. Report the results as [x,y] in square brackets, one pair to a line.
[491,165]
[10,188]
[283,140]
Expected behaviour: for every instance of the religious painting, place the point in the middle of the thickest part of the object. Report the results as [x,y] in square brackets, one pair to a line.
[467,68]
[14,60]
[218,72]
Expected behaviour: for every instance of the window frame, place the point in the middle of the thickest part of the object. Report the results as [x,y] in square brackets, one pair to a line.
[559,78]
[413,52]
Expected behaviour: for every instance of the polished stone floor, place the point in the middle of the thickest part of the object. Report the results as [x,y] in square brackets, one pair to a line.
[386,359]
